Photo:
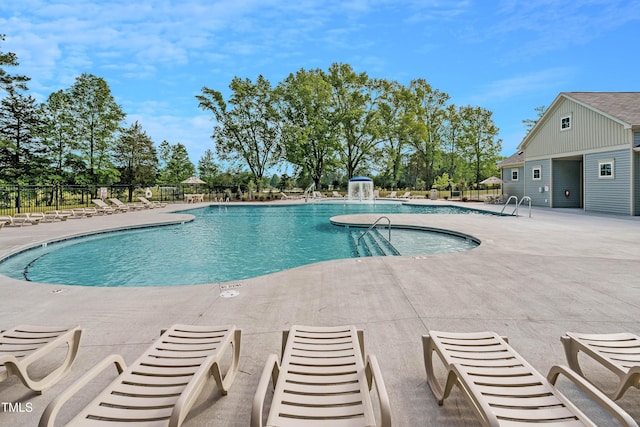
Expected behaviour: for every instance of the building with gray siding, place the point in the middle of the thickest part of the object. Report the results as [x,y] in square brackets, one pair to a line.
[584,152]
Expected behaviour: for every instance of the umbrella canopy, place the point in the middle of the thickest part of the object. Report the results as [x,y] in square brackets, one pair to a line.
[492,180]
[193,180]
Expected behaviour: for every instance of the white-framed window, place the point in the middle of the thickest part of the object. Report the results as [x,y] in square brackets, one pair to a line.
[565,122]
[514,174]
[606,169]
[536,173]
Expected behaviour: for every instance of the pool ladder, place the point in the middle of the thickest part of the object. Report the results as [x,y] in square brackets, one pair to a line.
[373,243]
[515,211]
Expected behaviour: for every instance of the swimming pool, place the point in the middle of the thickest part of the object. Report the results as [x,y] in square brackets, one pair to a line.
[222,244]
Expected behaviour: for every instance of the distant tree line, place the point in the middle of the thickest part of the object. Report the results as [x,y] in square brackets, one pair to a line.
[326,126]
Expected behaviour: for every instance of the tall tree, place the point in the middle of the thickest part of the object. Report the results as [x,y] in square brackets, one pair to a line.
[21,154]
[481,147]
[136,158]
[354,98]
[58,134]
[530,123]
[10,81]
[177,165]
[207,168]
[453,132]
[97,117]
[309,129]
[247,125]
[399,127]
[430,111]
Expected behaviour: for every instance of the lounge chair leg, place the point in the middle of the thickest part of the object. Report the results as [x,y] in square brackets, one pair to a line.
[428,348]
[225,383]
[571,353]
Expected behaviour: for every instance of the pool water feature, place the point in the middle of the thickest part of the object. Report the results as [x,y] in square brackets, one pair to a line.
[222,244]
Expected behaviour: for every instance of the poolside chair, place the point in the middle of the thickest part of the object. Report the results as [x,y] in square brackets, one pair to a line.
[406,195]
[18,220]
[127,206]
[151,204]
[84,212]
[69,213]
[502,388]
[162,385]
[393,195]
[321,381]
[24,345]
[620,353]
[53,216]
[104,208]
[336,195]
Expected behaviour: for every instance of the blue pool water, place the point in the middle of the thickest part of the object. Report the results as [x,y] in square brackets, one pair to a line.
[221,244]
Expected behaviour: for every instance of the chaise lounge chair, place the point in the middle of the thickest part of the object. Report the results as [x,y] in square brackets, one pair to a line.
[19,219]
[24,345]
[502,388]
[321,381]
[161,386]
[620,353]
[151,204]
[104,208]
[126,206]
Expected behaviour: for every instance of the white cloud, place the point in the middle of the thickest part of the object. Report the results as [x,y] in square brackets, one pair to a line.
[511,87]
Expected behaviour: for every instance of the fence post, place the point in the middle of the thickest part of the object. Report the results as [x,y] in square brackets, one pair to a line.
[18,199]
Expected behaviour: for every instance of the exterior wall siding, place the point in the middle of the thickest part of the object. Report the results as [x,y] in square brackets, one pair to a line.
[532,188]
[608,195]
[589,131]
[636,182]
[567,175]
[510,187]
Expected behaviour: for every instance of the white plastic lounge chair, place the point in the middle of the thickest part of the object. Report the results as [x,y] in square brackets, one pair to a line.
[620,353]
[393,195]
[151,204]
[161,386]
[127,206]
[104,208]
[24,345]
[18,220]
[321,381]
[83,212]
[57,215]
[336,195]
[502,388]
[406,195]
[49,216]
[69,213]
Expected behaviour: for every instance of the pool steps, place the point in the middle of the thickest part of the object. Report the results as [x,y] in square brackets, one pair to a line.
[371,244]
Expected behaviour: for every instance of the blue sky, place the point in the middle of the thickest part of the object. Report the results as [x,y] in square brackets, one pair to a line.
[508,56]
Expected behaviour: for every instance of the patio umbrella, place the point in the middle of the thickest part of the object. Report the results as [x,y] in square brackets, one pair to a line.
[492,180]
[193,180]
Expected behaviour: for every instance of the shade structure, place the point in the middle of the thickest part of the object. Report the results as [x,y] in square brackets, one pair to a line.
[193,180]
[491,180]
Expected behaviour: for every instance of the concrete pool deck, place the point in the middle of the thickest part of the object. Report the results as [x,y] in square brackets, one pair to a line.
[531,279]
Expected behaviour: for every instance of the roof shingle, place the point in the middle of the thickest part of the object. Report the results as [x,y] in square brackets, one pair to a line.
[624,106]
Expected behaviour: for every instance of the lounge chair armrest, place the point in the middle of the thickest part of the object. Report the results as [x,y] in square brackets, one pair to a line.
[608,404]
[271,372]
[211,366]
[374,375]
[49,416]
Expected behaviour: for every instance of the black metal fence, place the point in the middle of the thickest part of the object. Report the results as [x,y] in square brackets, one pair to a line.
[26,198]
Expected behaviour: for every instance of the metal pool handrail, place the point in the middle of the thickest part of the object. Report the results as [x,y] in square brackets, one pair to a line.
[373,225]
[506,204]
